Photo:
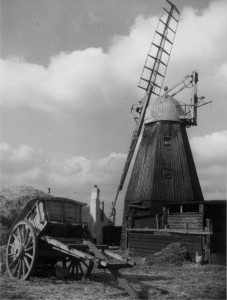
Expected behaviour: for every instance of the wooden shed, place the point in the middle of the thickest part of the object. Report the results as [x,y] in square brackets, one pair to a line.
[199,225]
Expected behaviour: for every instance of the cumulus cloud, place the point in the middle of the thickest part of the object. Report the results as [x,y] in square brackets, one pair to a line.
[14,160]
[25,165]
[210,148]
[210,154]
[80,172]
[22,165]
[79,78]
[201,44]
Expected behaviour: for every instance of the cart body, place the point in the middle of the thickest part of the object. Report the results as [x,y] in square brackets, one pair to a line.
[49,234]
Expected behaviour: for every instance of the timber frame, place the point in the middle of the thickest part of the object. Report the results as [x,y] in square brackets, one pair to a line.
[200,225]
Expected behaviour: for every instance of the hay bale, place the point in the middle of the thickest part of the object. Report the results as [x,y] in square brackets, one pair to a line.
[173,254]
[12,201]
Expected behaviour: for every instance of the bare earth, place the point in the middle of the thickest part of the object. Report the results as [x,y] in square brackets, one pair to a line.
[189,281]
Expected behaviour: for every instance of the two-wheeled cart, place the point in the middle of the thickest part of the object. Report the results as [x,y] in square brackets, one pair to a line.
[49,233]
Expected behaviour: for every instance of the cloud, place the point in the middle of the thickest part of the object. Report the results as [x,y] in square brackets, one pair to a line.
[25,165]
[210,154]
[93,81]
[79,79]
[80,172]
[21,158]
[210,148]
[201,44]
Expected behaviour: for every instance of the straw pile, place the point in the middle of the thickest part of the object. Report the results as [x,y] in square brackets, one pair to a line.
[12,201]
[173,254]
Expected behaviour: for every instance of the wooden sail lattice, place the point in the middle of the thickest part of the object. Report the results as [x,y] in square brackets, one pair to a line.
[155,66]
[153,75]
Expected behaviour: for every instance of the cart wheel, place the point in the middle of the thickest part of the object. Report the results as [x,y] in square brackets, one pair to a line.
[78,268]
[21,250]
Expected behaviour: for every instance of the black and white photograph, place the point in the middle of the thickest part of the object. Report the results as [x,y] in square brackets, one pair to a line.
[113,149]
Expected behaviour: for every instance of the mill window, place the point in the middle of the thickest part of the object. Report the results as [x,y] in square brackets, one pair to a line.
[167,141]
[167,173]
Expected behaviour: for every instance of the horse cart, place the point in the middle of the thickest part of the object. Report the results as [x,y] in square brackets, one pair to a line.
[49,234]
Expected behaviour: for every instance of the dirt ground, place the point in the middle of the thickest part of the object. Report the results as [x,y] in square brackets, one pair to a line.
[189,281]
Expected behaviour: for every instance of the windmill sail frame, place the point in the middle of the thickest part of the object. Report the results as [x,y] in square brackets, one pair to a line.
[153,75]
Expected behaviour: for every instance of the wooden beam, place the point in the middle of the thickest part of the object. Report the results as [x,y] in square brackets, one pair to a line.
[181,209]
[119,257]
[123,282]
[157,221]
[118,276]
[167,230]
[209,225]
[63,247]
[207,249]
[113,255]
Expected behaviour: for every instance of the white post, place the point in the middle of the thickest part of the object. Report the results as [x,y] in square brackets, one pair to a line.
[96,229]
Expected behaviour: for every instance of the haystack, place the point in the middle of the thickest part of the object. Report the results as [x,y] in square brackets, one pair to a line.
[173,254]
[12,201]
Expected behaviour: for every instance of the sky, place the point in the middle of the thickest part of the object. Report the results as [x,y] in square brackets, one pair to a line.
[69,72]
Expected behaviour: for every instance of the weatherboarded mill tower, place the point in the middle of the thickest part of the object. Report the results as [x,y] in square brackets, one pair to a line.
[164,169]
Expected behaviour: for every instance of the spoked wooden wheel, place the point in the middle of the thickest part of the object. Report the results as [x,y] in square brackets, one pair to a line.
[78,268]
[21,250]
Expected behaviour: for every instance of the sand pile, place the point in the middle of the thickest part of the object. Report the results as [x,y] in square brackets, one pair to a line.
[174,254]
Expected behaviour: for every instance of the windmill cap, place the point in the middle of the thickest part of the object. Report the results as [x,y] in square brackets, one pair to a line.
[163,109]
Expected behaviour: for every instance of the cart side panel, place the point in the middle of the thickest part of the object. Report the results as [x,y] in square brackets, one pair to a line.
[63,211]
[72,213]
[37,216]
[54,210]
[63,219]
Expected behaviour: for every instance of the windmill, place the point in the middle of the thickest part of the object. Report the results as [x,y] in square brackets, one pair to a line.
[164,168]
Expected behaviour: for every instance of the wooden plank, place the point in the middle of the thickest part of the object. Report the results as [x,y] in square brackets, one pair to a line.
[190,220]
[62,247]
[164,231]
[164,240]
[154,238]
[118,276]
[152,242]
[160,247]
[185,213]
[113,255]
[54,210]
[200,223]
[184,221]
[207,249]
[179,223]
[218,258]
[123,282]
[116,256]
[141,236]
[180,238]
[141,247]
